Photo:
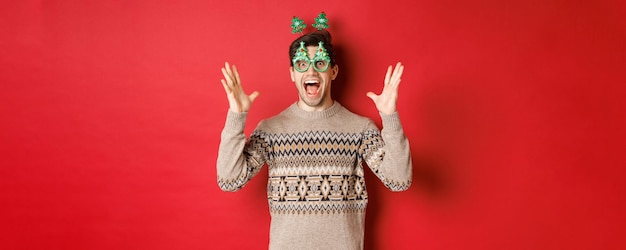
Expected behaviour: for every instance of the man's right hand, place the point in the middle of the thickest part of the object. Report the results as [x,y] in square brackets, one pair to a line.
[237,98]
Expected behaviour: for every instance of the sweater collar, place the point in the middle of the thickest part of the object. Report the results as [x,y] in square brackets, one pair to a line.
[330,111]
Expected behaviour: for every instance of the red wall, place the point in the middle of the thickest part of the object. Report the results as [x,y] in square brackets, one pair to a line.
[112,111]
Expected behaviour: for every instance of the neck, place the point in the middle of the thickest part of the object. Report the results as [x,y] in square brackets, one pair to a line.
[320,107]
[326,113]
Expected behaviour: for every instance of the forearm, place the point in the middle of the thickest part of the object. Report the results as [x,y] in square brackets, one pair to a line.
[232,166]
[396,166]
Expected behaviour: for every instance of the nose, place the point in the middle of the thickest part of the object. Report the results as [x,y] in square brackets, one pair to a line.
[311,69]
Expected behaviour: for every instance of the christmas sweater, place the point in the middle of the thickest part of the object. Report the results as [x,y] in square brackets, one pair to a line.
[316,189]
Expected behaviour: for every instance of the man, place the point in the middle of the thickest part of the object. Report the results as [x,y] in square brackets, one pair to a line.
[314,150]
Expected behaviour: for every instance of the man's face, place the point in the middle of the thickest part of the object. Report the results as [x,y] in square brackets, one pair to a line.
[314,87]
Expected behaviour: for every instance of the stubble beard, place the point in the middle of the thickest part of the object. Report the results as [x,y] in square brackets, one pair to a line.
[315,102]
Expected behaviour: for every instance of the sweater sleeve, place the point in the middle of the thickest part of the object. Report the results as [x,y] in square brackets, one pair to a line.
[239,160]
[387,153]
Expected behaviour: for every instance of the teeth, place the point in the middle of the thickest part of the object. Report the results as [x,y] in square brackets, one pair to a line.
[311,82]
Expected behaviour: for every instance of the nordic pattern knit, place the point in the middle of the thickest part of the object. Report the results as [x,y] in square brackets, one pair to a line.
[316,189]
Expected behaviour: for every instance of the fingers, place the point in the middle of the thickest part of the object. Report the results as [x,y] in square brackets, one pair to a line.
[397,73]
[254,95]
[388,75]
[227,77]
[393,74]
[227,88]
[372,96]
[399,69]
[231,78]
[237,80]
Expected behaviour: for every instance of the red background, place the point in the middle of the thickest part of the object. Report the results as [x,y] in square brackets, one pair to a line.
[112,110]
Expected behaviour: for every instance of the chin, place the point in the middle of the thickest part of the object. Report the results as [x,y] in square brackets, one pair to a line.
[312,103]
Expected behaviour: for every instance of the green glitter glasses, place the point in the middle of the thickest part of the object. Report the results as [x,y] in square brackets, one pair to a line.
[302,62]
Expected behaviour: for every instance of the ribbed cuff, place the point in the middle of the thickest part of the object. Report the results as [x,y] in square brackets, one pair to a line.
[235,121]
[392,121]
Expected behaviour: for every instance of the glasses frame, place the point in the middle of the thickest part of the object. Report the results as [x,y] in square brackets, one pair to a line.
[320,56]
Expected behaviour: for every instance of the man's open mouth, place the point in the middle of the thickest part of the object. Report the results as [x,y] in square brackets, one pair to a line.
[311,87]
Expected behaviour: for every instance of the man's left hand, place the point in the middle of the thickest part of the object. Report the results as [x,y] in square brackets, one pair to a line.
[386,101]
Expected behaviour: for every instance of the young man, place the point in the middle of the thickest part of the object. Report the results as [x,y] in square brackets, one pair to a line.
[314,150]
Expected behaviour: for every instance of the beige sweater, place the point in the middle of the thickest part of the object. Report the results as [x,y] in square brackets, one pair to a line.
[316,189]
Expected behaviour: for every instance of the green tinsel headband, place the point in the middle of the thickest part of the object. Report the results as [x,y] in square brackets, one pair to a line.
[298,25]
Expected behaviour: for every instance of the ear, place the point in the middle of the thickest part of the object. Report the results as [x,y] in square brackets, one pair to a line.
[293,79]
[334,72]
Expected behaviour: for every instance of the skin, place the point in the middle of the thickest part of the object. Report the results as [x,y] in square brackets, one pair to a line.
[321,99]
[312,99]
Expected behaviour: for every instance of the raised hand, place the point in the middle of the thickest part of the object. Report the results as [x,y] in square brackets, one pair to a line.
[237,98]
[386,101]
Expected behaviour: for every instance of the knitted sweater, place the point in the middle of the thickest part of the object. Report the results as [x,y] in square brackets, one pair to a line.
[316,189]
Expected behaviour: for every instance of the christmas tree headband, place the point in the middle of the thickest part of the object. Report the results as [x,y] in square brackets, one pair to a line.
[298,25]
[301,61]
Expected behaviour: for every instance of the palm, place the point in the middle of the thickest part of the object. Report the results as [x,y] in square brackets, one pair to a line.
[386,101]
[238,100]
